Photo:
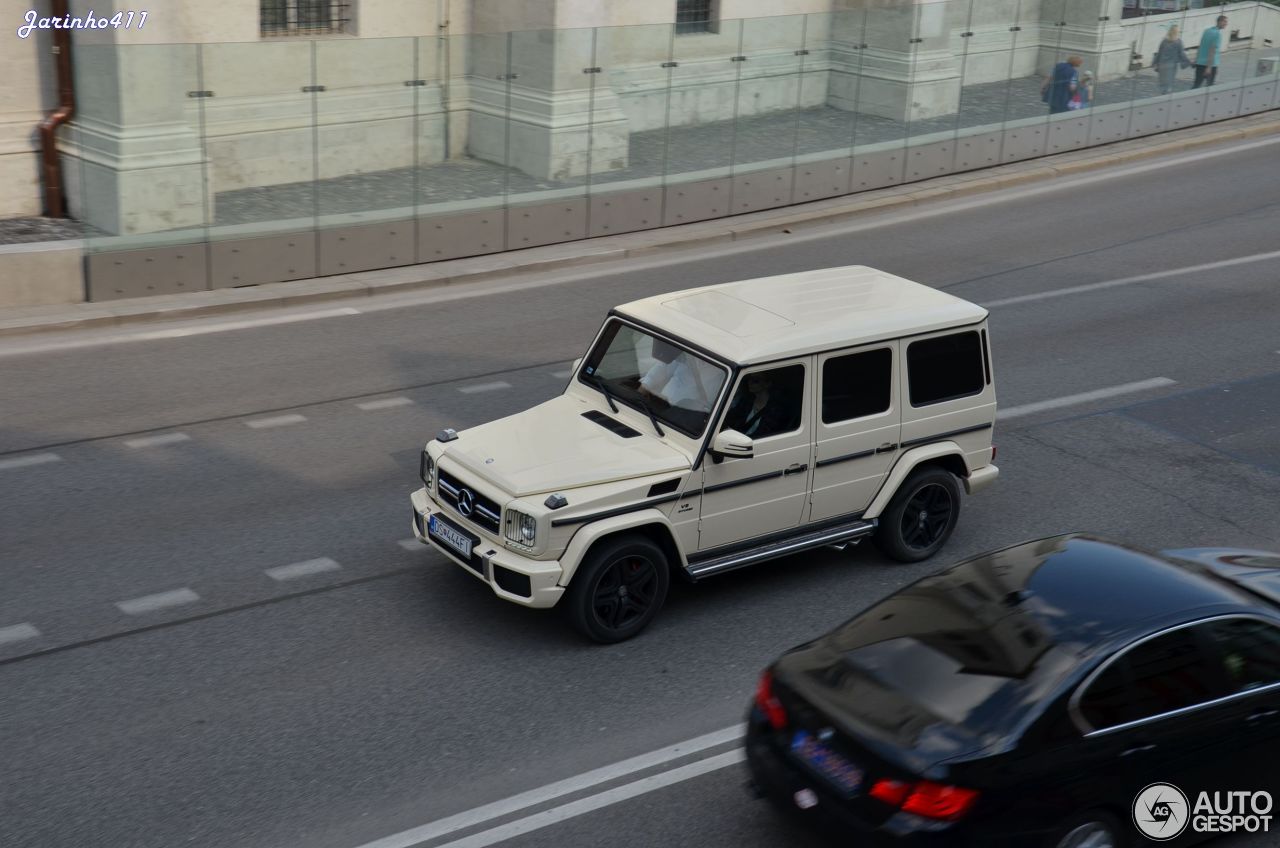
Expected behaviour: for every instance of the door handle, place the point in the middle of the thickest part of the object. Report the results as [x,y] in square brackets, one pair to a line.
[886,447]
[1263,715]
[795,468]
[1141,749]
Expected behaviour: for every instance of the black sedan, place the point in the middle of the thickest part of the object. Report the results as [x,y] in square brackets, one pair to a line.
[1065,693]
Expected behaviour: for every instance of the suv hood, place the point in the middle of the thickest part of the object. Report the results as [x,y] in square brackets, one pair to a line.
[552,447]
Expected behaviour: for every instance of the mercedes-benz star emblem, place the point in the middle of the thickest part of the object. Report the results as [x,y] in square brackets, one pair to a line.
[466,502]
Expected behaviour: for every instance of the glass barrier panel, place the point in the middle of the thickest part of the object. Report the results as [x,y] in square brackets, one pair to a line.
[937,67]
[463,146]
[629,108]
[366,106]
[987,40]
[137,147]
[259,131]
[769,93]
[828,95]
[702,102]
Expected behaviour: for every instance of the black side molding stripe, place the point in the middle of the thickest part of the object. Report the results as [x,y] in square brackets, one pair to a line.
[937,437]
[822,463]
[610,513]
[743,482]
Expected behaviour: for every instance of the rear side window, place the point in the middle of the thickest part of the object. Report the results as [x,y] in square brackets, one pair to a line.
[1250,651]
[1161,675]
[945,368]
[856,385]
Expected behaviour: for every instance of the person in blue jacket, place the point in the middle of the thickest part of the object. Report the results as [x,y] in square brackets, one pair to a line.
[1212,44]
[1062,84]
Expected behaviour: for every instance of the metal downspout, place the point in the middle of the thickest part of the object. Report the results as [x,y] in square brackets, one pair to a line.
[54,204]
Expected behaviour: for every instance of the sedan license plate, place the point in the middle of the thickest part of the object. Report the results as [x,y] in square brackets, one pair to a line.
[843,774]
[455,540]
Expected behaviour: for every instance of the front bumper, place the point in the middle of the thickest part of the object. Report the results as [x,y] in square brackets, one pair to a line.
[489,559]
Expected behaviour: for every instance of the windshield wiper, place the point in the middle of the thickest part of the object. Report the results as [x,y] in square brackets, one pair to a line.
[600,384]
[653,418]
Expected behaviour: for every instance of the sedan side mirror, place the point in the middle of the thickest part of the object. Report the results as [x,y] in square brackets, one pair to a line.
[731,444]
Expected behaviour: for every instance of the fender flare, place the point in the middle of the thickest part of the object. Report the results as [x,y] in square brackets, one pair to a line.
[907,463]
[589,534]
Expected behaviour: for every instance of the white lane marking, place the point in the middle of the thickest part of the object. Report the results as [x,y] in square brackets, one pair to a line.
[224,326]
[158,601]
[162,439]
[29,459]
[179,332]
[559,789]
[411,544]
[278,421]
[561,375]
[302,569]
[17,633]
[1141,278]
[1084,397]
[591,803]
[484,387]
[387,403]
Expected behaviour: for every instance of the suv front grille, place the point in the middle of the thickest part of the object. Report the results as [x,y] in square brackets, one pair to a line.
[483,512]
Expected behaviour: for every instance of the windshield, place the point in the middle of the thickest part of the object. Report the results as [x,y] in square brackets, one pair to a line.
[678,386]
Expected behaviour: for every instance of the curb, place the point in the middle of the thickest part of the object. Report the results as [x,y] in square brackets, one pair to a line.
[29,320]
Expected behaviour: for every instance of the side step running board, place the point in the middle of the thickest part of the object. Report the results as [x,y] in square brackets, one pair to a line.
[830,536]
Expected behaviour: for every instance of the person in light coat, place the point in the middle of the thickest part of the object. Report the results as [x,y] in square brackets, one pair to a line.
[1171,56]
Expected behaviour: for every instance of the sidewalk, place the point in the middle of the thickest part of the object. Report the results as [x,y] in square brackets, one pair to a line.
[33,319]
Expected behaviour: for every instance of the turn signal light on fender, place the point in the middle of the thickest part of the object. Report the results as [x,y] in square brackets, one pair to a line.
[926,799]
[769,704]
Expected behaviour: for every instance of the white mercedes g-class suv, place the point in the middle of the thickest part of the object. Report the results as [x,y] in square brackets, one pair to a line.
[718,427]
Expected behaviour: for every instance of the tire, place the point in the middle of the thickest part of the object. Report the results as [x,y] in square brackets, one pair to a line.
[618,589]
[921,516]
[1093,829]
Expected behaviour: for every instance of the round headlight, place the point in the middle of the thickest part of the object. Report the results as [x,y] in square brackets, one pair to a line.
[528,529]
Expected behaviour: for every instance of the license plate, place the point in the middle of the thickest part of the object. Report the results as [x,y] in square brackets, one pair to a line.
[439,530]
[826,762]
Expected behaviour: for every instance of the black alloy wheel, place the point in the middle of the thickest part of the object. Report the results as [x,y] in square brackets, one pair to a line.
[618,589]
[926,517]
[921,516]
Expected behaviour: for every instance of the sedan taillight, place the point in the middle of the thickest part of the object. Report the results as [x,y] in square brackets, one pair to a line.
[769,704]
[926,799]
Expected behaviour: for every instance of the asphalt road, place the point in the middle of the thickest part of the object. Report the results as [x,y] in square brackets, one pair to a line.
[159,687]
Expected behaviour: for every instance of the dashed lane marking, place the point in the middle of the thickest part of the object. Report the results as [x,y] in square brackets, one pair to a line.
[158,601]
[387,403]
[302,569]
[17,633]
[156,441]
[29,459]
[277,421]
[484,387]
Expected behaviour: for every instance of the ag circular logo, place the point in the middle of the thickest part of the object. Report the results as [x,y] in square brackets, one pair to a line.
[1160,812]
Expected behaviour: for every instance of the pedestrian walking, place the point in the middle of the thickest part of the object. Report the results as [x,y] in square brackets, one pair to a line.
[1170,56]
[1062,84]
[1209,52]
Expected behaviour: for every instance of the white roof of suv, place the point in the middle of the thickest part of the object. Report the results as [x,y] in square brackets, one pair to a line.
[796,314]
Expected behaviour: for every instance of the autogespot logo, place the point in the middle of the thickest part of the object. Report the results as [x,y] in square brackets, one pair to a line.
[1160,811]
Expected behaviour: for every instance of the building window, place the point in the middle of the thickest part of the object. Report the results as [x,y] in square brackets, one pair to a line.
[304,17]
[693,16]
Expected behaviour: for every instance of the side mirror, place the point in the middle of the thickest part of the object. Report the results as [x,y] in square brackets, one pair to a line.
[731,444]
